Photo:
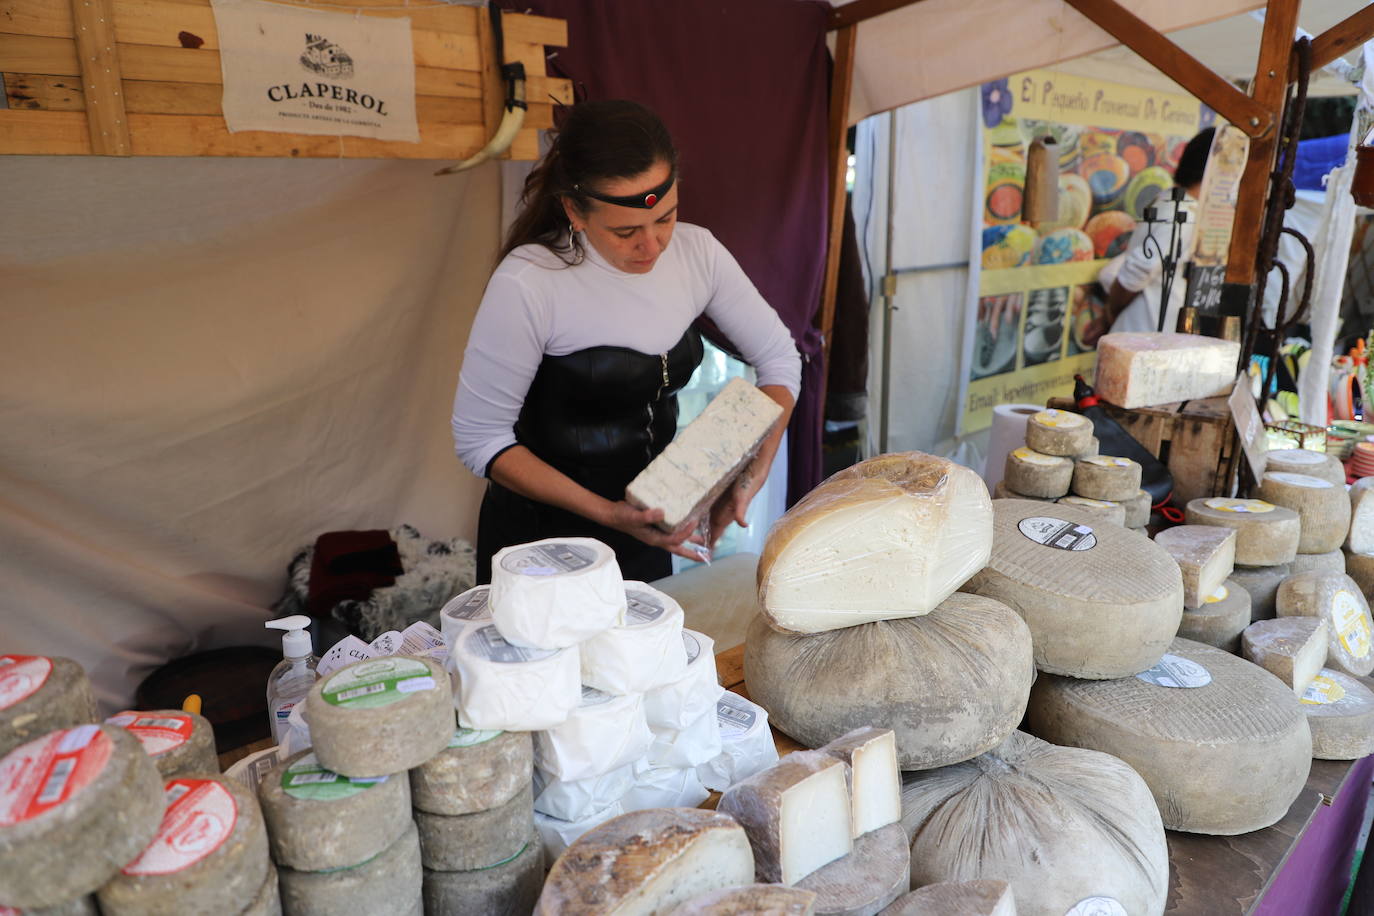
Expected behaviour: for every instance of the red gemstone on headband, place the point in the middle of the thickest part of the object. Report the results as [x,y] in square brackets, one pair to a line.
[650,199]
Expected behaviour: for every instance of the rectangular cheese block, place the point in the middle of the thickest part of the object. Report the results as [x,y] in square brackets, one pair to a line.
[701,462]
[875,783]
[1145,369]
[1205,553]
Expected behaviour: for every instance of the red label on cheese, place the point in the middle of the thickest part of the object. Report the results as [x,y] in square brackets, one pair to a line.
[158,734]
[43,774]
[200,816]
[20,676]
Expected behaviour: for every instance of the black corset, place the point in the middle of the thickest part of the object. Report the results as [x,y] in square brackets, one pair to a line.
[601,414]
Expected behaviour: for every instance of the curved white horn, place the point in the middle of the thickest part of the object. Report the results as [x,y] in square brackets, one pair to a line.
[511,122]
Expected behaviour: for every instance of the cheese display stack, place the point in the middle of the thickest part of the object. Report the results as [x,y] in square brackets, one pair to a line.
[1323,508]
[1267,540]
[180,743]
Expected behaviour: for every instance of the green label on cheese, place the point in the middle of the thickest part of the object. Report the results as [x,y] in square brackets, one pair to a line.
[379,682]
[306,779]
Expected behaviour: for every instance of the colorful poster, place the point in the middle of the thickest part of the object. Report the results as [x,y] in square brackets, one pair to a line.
[1038,309]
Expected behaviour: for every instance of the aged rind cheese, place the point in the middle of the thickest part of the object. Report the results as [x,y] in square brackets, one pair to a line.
[80,906]
[1104,510]
[509,888]
[1137,510]
[796,813]
[268,900]
[381,716]
[1293,649]
[1190,727]
[556,834]
[1205,553]
[76,805]
[913,676]
[209,855]
[1360,567]
[1337,599]
[180,743]
[1361,536]
[875,783]
[1100,602]
[1224,615]
[556,593]
[664,787]
[642,653]
[1266,534]
[1323,508]
[1094,448]
[1333,561]
[1261,583]
[1146,369]
[889,537]
[1059,432]
[39,694]
[864,882]
[746,742]
[1036,475]
[956,898]
[1304,461]
[705,457]
[387,885]
[1059,824]
[752,900]
[1340,710]
[1001,492]
[463,842]
[478,770]
[503,687]
[648,862]
[318,819]
[692,746]
[682,702]
[603,733]
[1106,477]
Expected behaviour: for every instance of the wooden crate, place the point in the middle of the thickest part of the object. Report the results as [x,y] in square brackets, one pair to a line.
[1192,438]
[142,78]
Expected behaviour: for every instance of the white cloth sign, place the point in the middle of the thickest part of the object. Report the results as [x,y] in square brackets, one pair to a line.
[293,70]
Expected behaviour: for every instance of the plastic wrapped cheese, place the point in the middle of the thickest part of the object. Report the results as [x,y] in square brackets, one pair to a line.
[889,537]
[746,742]
[463,612]
[642,653]
[556,593]
[664,787]
[557,834]
[696,744]
[603,733]
[510,688]
[576,799]
[687,699]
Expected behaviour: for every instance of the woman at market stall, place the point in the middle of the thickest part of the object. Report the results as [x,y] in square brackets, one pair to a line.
[585,334]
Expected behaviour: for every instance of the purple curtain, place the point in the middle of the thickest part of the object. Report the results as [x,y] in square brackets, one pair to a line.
[744,89]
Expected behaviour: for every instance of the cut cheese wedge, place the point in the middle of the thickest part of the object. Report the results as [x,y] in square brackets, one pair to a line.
[1335,598]
[1293,649]
[1059,432]
[1323,508]
[956,898]
[1220,620]
[1206,555]
[1224,747]
[796,813]
[1036,475]
[754,900]
[1266,534]
[1146,369]
[875,785]
[876,873]
[1340,710]
[889,537]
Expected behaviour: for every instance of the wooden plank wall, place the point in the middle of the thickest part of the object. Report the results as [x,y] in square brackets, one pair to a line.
[167,73]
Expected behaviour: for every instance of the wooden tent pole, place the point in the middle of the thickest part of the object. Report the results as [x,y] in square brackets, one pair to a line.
[841,84]
[1346,35]
[93,22]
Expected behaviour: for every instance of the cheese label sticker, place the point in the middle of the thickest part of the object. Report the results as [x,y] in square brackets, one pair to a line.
[199,818]
[733,717]
[306,779]
[1176,671]
[158,734]
[1057,533]
[1299,456]
[1219,595]
[1107,461]
[642,607]
[689,642]
[1097,906]
[548,559]
[1243,506]
[21,676]
[1323,690]
[471,605]
[45,773]
[1351,625]
[471,737]
[1059,419]
[1299,480]
[1031,457]
[593,697]
[379,682]
[490,644]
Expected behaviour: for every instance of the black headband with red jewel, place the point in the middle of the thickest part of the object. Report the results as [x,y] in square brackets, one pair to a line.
[645,201]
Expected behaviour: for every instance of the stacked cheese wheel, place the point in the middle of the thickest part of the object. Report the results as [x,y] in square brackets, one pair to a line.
[1358,556]
[1266,545]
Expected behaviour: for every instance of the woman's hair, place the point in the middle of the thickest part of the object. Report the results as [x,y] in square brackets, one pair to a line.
[1193,162]
[596,141]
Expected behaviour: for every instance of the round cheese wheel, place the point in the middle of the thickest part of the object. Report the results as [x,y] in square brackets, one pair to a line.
[642,653]
[1036,475]
[386,885]
[1302,461]
[1223,745]
[180,743]
[876,873]
[1001,492]
[75,806]
[1106,477]
[1266,534]
[1059,432]
[1101,601]
[39,694]
[1361,537]
[209,855]
[463,842]
[578,576]
[381,716]
[1335,598]
[1059,824]
[508,888]
[478,770]
[1340,710]
[1360,567]
[1220,620]
[1137,510]
[81,906]
[1262,584]
[752,900]
[1102,509]
[950,684]
[1333,561]
[1323,508]
[512,688]
[268,900]
[319,819]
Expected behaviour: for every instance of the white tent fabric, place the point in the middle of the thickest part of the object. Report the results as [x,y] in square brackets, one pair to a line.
[206,364]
